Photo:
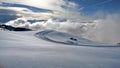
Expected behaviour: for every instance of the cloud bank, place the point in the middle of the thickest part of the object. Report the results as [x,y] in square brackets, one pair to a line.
[107,29]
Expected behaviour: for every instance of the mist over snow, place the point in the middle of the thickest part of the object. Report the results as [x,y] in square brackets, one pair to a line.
[107,29]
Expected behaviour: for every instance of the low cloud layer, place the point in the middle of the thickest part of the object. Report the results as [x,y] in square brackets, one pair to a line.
[67,26]
[105,30]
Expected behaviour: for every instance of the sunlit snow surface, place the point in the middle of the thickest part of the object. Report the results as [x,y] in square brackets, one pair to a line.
[48,49]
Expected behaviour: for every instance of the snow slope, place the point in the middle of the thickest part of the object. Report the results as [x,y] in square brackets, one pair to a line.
[46,49]
[64,38]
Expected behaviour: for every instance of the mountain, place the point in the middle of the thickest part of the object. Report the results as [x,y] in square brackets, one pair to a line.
[11,28]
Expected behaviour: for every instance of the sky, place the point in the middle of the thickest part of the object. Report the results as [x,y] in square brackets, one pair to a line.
[89,7]
[85,7]
[92,6]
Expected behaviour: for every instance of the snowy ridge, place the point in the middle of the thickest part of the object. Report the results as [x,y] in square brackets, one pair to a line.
[64,38]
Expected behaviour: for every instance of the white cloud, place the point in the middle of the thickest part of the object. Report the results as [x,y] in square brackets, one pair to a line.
[107,29]
[46,4]
[26,13]
[69,10]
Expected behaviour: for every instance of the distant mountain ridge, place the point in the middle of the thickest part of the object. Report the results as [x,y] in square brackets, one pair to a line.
[11,28]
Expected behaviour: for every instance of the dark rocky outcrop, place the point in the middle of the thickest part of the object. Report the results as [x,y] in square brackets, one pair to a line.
[11,28]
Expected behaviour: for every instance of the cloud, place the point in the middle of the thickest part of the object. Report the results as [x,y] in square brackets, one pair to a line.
[45,4]
[107,29]
[7,15]
[24,12]
[32,8]
[78,29]
[59,8]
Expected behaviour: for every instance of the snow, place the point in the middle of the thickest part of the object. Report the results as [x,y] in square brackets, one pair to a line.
[31,49]
[65,38]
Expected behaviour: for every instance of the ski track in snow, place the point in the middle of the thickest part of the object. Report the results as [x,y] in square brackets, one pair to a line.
[48,35]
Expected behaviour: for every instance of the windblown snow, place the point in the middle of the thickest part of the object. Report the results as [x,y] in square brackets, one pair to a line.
[53,49]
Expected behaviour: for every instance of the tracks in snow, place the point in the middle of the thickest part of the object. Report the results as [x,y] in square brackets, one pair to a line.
[64,38]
